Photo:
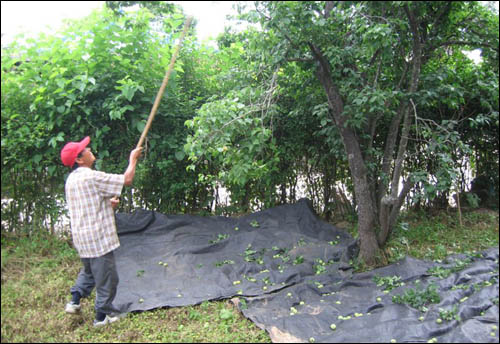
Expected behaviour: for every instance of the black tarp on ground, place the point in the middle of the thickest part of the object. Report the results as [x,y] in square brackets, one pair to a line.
[217,257]
[292,271]
[362,312]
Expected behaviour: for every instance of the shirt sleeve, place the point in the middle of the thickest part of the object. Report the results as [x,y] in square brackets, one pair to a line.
[108,184]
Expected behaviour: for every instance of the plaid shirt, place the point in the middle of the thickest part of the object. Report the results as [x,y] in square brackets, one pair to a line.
[93,227]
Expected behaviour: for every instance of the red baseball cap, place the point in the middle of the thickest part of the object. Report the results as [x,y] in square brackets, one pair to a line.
[71,150]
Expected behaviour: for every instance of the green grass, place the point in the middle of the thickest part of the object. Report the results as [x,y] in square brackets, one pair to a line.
[418,298]
[38,270]
[433,237]
[37,273]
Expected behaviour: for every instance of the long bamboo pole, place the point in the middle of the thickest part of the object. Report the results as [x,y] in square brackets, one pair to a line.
[164,84]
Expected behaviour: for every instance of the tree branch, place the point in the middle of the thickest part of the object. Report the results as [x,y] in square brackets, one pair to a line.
[283,33]
[300,59]
[416,64]
[328,8]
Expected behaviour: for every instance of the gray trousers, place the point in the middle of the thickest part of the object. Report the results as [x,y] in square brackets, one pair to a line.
[100,273]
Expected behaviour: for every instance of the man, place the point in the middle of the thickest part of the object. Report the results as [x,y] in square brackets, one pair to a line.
[91,197]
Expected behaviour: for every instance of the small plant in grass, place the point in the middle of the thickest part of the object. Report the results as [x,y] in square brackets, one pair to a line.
[243,303]
[298,260]
[249,254]
[449,315]
[480,285]
[301,242]
[224,262]
[220,237]
[320,266]
[250,278]
[226,314]
[441,272]
[389,282]
[281,253]
[418,299]
[461,264]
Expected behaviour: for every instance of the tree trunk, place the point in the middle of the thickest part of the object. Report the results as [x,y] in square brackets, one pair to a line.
[327,188]
[373,209]
[366,215]
[390,205]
